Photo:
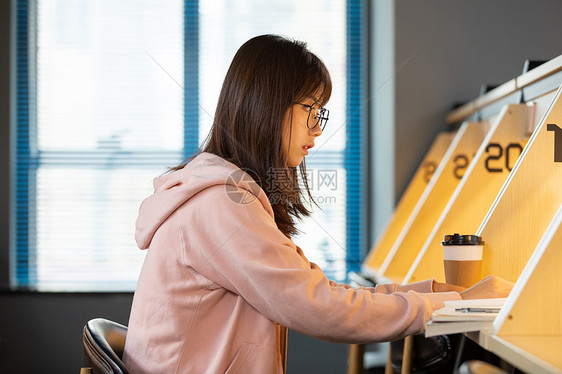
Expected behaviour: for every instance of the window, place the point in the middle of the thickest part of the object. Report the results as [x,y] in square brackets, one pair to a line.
[110,93]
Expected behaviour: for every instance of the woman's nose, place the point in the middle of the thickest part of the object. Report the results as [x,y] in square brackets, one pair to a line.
[316,130]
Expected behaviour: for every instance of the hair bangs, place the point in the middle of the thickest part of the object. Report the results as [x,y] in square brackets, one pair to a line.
[317,83]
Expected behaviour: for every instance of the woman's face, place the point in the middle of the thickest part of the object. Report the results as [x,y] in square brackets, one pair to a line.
[300,139]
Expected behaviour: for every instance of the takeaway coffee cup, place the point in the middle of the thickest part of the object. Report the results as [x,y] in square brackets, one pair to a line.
[463,259]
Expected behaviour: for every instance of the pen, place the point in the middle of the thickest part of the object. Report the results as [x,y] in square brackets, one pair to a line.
[478,310]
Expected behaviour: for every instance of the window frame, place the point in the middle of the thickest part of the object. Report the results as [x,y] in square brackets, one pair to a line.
[23,130]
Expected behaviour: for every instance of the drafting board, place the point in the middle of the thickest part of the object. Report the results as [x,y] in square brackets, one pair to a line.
[433,201]
[408,201]
[481,184]
[527,201]
[528,330]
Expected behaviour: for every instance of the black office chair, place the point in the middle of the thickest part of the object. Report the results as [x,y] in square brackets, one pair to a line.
[104,342]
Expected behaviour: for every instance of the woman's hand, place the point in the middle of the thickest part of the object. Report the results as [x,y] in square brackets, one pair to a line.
[446,287]
[489,287]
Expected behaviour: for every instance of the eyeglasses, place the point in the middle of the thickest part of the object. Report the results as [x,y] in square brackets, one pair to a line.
[321,116]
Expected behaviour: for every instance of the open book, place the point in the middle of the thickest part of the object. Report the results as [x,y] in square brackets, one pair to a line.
[463,316]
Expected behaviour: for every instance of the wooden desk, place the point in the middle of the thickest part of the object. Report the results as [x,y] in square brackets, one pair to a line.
[531,354]
[528,330]
[522,230]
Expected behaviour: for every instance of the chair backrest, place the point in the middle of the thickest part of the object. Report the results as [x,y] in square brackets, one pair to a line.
[104,342]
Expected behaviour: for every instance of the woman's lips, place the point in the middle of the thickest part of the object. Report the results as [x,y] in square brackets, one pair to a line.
[307,147]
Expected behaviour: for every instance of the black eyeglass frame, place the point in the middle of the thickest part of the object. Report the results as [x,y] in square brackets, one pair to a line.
[321,116]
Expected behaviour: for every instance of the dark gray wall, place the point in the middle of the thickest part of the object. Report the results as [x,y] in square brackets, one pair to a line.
[4,137]
[41,333]
[450,48]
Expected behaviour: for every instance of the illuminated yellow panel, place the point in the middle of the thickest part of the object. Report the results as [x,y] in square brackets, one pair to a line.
[476,192]
[541,293]
[529,326]
[527,202]
[408,201]
[433,201]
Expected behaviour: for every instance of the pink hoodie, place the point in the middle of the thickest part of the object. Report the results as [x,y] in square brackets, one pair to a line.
[220,283]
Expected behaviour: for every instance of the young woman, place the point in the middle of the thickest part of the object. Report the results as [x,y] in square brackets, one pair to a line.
[222,280]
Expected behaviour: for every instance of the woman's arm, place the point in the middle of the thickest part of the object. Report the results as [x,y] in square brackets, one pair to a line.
[239,247]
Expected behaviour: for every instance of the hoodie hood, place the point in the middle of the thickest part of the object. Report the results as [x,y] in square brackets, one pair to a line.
[172,190]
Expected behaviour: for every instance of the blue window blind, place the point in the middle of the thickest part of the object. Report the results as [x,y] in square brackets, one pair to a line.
[109,94]
[355,154]
[21,271]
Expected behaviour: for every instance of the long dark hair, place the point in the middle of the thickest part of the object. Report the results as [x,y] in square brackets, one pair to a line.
[268,74]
